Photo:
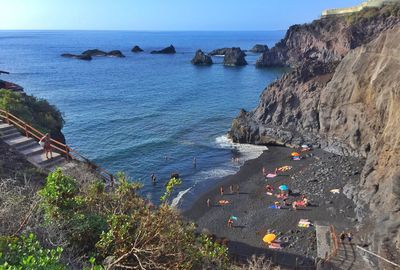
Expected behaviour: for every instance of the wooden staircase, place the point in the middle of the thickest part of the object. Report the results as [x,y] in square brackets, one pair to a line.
[29,147]
[24,138]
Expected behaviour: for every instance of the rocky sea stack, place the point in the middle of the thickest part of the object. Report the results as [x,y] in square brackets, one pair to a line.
[221,52]
[168,50]
[77,56]
[136,49]
[89,54]
[258,48]
[341,95]
[234,57]
[201,59]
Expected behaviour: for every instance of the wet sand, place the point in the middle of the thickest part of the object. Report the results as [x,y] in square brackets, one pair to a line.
[314,175]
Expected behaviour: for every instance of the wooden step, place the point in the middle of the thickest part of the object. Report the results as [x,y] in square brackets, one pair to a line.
[5,126]
[32,150]
[19,142]
[11,135]
[8,131]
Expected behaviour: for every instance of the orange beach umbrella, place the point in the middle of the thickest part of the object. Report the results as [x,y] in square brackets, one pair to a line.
[295,154]
[268,238]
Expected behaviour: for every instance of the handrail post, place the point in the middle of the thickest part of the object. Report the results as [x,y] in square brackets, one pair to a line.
[112,180]
[67,152]
[26,130]
[7,119]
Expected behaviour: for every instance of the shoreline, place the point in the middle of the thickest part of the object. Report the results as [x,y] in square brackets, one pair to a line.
[313,176]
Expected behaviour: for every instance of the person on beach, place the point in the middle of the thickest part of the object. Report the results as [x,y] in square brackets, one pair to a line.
[264,172]
[153,178]
[349,237]
[221,190]
[209,202]
[342,236]
[45,141]
[269,188]
[277,205]
[230,223]
[231,189]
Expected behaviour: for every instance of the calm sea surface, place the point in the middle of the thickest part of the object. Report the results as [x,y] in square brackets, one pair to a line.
[128,114]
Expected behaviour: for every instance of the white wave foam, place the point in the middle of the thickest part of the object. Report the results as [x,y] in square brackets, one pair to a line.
[248,151]
[176,200]
[214,173]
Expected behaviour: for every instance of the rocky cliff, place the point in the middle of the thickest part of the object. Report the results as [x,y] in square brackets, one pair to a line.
[344,98]
[329,39]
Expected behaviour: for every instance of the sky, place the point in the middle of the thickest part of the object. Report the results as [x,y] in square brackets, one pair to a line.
[162,15]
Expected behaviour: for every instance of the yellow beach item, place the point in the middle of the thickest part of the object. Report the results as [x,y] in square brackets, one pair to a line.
[268,238]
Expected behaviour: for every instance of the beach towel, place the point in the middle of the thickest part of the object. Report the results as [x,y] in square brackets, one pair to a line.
[269,193]
[271,175]
[275,245]
[223,202]
[335,191]
[300,203]
[304,223]
[234,218]
[282,196]
[296,158]
[274,207]
[284,168]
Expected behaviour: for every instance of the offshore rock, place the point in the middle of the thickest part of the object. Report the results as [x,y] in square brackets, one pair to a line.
[221,51]
[167,50]
[259,48]
[136,48]
[234,57]
[201,59]
[77,56]
[11,86]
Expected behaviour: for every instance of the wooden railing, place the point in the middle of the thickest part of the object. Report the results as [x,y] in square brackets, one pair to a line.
[63,149]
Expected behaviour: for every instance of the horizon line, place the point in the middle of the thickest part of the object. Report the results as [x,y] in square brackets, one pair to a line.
[127,30]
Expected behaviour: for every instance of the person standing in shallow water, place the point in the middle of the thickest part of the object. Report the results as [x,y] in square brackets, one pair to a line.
[209,202]
[221,190]
[194,162]
[153,178]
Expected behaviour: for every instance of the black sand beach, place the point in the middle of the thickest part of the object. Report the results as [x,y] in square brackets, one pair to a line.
[314,175]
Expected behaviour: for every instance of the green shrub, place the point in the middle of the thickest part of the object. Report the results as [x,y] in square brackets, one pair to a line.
[36,112]
[26,253]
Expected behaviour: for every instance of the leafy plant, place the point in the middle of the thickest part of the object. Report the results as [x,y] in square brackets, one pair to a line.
[37,112]
[169,188]
[27,253]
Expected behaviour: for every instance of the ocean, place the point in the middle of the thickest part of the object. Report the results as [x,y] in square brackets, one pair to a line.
[145,113]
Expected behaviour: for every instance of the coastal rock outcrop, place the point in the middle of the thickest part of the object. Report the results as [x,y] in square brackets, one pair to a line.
[136,48]
[234,57]
[343,97]
[221,51]
[89,54]
[77,56]
[328,39]
[11,86]
[115,53]
[259,48]
[201,59]
[168,50]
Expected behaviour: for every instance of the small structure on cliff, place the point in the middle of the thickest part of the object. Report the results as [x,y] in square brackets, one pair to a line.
[358,8]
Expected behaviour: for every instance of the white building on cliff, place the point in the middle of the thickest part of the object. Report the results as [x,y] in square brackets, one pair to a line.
[363,5]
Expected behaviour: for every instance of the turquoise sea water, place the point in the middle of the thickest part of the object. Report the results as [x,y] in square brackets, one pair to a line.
[128,114]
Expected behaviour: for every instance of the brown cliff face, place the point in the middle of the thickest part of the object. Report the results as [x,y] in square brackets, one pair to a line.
[329,39]
[350,108]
